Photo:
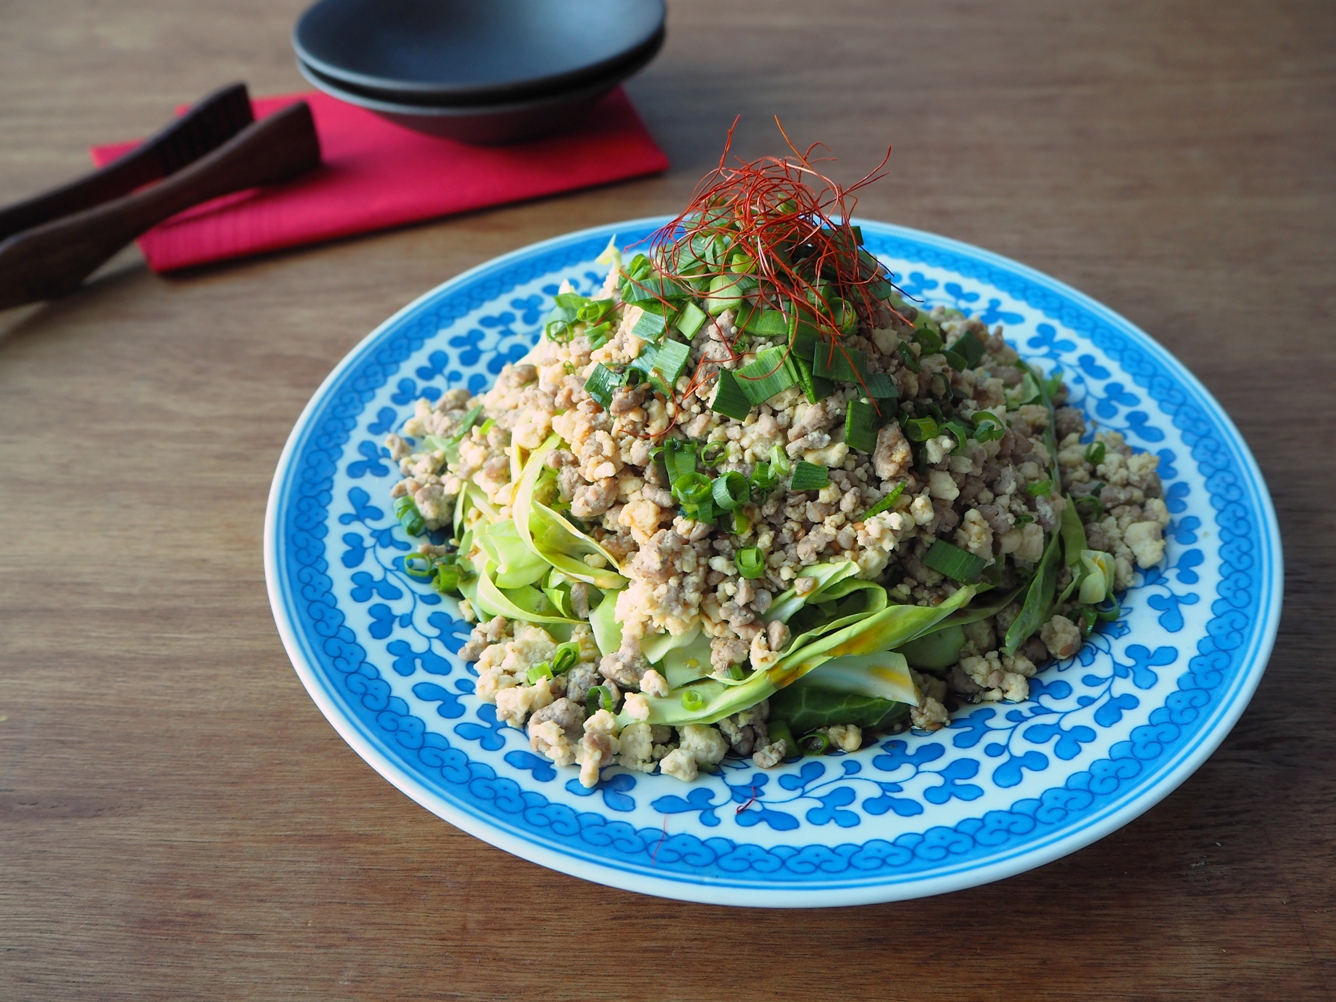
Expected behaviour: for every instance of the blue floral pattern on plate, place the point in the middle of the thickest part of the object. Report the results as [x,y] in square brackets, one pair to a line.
[1005,787]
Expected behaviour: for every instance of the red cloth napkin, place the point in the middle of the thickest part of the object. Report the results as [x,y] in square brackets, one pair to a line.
[376,174]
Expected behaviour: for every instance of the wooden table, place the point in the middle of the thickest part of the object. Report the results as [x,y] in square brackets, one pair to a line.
[178,821]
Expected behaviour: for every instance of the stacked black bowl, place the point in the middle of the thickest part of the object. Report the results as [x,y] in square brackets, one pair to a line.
[481,71]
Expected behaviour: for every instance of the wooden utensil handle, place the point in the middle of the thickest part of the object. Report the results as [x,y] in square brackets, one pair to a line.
[53,259]
[206,126]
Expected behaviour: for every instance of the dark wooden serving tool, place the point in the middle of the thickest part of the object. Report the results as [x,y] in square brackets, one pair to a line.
[52,259]
[206,126]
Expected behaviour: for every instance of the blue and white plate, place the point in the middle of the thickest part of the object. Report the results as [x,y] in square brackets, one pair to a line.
[1004,788]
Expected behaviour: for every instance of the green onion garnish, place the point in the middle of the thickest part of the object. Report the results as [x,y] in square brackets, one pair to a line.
[464,426]
[763,478]
[566,657]
[838,362]
[679,458]
[957,564]
[418,565]
[651,325]
[927,334]
[692,488]
[860,426]
[1094,453]
[880,386]
[1040,489]
[598,336]
[713,452]
[737,673]
[988,427]
[447,578]
[908,356]
[406,511]
[487,426]
[768,323]
[599,698]
[541,670]
[809,477]
[970,348]
[750,561]
[737,523]
[1088,620]
[692,699]
[729,400]
[731,490]
[602,383]
[779,461]
[815,743]
[957,429]
[884,504]
[919,429]
[770,373]
[689,320]
[666,362]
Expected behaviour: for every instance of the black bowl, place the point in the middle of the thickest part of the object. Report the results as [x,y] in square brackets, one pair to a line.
[460,52]
[483,125]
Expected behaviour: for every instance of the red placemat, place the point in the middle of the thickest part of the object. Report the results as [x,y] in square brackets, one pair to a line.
[376,175]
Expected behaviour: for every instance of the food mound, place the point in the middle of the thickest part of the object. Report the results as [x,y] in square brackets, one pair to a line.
[747,500]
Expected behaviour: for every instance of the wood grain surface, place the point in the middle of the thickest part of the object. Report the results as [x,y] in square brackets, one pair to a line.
[178,821]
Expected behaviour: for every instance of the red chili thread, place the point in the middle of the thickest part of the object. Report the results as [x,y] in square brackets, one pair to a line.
[748,803]
[654,860]
[760,207]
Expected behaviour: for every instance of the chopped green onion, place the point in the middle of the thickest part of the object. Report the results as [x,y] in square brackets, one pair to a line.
[406,511]
[838,362]
[815,743]
[692,699]
[860,426]
[880,386]
[729,400]
[665,361]
[541,670]
[599,698]
[731,490]
[956,362]
[713,452]
[679,458]
[703,512]
[447,578]
[1088,620]
[602,383]
[725,293]
[689,320]
[770,373]
[566,657]
[421,566]
[815,388]
[1094,454]
[970,348]
[1040,489]
[988,427]
[809,477]
[692,488]
[487,426]
[957,564]
[737,673]
[884,504]
[779,461]
[598,336]
[750,561]
[957,429]
[768,323]
[919,429]
[763,478]
[465,426]
[570,300]
[737,523]
[908,356]
[645,289]
[650,326]
[1109,613]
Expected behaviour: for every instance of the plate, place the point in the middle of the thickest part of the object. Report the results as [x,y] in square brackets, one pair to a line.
[1004,788]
